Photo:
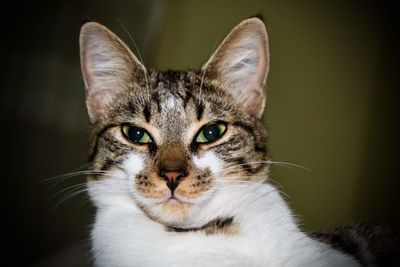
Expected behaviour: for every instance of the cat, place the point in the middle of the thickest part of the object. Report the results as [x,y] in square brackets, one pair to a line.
[180,160]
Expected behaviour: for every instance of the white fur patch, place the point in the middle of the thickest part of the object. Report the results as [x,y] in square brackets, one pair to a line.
[113,190]
[170,102]
[133,164]
[172,105]
[209,160]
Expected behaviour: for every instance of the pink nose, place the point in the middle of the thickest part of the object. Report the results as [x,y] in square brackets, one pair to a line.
[172,178]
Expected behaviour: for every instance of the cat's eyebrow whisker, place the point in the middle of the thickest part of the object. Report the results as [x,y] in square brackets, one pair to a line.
[140,57]
[203,73]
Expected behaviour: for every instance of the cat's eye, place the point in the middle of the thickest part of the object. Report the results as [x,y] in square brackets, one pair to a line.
[211,132]
[136,134]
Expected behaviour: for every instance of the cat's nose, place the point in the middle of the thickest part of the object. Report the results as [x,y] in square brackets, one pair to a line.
[173,178]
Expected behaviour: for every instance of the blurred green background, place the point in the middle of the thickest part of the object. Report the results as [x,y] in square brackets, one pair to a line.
[332,105]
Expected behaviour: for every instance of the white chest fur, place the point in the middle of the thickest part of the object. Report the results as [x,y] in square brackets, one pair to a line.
[268,236]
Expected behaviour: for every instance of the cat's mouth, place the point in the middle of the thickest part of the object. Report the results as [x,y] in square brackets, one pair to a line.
[173,199]
[175,208]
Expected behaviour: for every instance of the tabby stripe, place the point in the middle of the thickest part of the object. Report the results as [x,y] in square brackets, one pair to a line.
[156,98]
[147,112]
[262,149]
[96,140]
[232,144]
[227,146]
[180,95]
[132,107]
[194,147]
[200,110]
[218,223]
[113,145]
[188,96]
[152,149]
[244,165]
[247,127]
[241,162]
[109,163]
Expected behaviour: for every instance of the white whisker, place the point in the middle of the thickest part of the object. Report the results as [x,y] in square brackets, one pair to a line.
[268,162]
[140,57]
[70,196]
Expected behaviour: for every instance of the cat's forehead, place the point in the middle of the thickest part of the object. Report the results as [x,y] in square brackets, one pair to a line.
[172,101]
[173,95]
[174,88]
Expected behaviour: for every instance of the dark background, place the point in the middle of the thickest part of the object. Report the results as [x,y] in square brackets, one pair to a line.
[332,106]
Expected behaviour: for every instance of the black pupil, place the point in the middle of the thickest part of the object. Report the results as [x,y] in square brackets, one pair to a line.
[135,134]
[211,132]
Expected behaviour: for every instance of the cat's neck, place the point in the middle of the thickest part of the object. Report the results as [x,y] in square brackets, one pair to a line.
[246,206]
[260,222]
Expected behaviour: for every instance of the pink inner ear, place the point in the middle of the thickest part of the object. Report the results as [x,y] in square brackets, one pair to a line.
[86,69]
[255,103]
[108,67]
[240,65]
[97,101]
[262,67]
[248,85]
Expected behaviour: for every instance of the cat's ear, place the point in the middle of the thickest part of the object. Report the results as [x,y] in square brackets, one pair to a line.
[108,67]
[240,65]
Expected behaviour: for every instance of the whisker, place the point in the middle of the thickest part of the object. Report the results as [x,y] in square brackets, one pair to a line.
[268,162]
[72,187]
[140,57]
[84,201]
[62,178]
[73,170]
[72,174]
[290,164]
[70,196]
[203,73]
[227,183]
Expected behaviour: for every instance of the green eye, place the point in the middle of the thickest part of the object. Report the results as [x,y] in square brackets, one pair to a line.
[211,132]
[136,134]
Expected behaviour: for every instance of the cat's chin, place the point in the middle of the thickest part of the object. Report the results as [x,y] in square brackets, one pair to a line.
[174,205]
[170,212]
[173,210]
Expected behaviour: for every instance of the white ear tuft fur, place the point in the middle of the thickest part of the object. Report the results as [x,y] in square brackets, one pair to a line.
[240,65]
[108,66]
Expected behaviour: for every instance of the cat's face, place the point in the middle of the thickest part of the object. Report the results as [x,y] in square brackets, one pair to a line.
[167,143]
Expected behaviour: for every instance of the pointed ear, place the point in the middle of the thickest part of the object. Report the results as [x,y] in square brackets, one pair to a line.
[240,65]
[108,67]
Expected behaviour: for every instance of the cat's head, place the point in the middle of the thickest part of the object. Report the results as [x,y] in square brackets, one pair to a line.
[168,142]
